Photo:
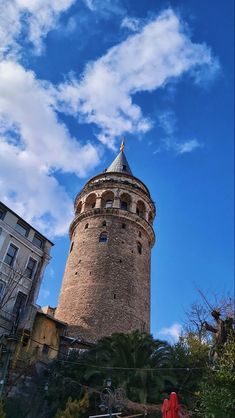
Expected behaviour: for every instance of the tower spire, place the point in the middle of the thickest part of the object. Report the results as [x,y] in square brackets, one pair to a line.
[120,164]
[122,146]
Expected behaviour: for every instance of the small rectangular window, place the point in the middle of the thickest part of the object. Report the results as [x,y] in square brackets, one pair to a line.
[22,228]
[11,255]
[2,286]
[2,212]
[38,241]
[19,303]
[45,348]
[25,338]
[30,269]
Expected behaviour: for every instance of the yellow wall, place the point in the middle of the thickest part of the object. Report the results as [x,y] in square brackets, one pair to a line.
[46,331]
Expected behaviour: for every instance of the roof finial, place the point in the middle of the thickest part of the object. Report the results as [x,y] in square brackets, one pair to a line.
[122,144]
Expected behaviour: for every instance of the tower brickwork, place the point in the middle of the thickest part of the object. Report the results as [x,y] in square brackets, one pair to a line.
[106,285]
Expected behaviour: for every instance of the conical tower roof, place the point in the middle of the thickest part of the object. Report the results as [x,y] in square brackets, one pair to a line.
[120,164]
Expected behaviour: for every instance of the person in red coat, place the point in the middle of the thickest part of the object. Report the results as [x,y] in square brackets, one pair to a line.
[165,408]
[173,406]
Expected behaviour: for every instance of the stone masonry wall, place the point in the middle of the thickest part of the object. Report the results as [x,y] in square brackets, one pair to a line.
[106,286]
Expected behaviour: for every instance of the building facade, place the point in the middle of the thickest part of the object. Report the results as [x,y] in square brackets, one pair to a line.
[24,254]
[106,284]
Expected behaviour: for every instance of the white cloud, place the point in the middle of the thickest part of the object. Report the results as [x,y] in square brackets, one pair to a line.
[34,18]
[171,333]
[188,146]
[168,123]
[144,62]
[33,146]
[131,23]
[105,8]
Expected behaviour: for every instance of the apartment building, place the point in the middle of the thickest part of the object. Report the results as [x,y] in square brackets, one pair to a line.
[24,255]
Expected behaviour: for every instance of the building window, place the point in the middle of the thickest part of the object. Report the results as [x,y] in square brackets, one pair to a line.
[86,226]
[45,348]
[25,338]
[108,204]
[123,226]
[104,223]
[103,237]
[140,209]
[11,255]
[139,247]
[2,212]
[140,234]
[38,241]
[22,228]
[79,208]
[30,269]
[124,167]
[19,303]
[90,202]
[124,205]
[2,286]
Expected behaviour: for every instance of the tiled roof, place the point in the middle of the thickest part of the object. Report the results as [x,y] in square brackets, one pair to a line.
[120,164]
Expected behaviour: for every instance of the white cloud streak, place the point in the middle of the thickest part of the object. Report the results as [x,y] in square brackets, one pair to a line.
[131,23]
[168,123]
[146,61]
[171,333]
[188,146]
[34,18]
[34,144]
[105,8]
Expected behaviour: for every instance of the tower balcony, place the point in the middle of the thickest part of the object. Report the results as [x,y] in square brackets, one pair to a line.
[113,211]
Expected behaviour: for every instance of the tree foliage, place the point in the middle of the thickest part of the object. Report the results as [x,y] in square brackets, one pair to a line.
[135,362]
[75,408]
[2,410]
[216,392]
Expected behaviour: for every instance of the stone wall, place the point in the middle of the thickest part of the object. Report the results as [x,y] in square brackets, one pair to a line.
[106,286]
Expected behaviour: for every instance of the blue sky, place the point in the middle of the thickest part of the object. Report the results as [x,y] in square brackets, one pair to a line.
[76,75]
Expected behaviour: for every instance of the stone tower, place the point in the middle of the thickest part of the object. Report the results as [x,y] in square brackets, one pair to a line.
[106,285]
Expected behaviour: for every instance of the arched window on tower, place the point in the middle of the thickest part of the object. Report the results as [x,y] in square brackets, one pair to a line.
[124,205]
[125,201]
[108,203]
[139,247]
[90,201]
[79,208]
[140,209]
[103,237]
[107,199]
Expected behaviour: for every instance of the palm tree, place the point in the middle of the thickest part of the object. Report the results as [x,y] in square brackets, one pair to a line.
[135,361]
